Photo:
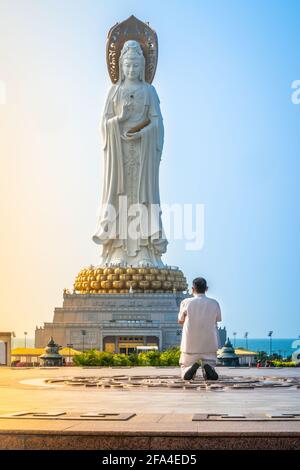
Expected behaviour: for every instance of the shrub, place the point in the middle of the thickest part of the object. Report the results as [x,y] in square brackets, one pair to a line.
[148,358]
[169,357]
[282,364]
[105,358]
[93,358]
[133,358]
[153,357]
[143,359]
[120,360]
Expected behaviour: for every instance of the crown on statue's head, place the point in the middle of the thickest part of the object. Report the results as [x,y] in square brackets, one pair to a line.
[132,49]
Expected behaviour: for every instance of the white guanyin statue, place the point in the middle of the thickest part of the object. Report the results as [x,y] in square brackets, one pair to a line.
[129,228]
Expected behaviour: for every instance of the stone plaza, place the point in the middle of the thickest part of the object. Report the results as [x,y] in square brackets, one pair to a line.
[94,408]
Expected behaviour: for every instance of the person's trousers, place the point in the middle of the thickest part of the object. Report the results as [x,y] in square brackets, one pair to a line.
[186,360]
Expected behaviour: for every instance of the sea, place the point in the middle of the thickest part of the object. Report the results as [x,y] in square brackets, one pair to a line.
[283,346]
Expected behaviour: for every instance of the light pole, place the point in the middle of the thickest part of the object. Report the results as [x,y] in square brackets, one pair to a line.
[25,334]
[83,332]
[234,336]
[246,338]
[70,345]
[270,336]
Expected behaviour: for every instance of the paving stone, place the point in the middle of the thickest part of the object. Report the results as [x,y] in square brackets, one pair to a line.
[232,416]
[281,416]
[205,416]
[34,414]
[242,386]
[109,416]
[215,388]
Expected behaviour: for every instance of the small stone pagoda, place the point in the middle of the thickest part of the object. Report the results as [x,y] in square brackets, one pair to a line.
[51,356]
[227,355]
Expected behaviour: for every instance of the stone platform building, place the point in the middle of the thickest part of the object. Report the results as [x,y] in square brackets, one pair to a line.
[114,323]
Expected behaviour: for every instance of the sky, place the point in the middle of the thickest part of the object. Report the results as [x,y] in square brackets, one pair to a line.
[224,78]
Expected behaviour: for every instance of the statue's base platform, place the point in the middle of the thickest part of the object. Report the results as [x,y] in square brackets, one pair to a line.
[114,322]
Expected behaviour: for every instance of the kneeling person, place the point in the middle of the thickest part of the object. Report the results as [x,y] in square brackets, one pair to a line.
[199,344]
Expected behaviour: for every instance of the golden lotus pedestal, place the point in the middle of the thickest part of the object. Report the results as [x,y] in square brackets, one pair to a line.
[114,280]
[118,309]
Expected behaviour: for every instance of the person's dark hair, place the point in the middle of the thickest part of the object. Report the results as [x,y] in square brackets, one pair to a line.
[200,285]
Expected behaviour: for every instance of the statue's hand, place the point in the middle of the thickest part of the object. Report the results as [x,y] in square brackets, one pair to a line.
[126,110]
[133,136]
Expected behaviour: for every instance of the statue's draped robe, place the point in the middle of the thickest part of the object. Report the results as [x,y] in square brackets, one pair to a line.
[147,182]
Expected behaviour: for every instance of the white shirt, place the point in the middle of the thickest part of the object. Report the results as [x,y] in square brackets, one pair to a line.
[199,334]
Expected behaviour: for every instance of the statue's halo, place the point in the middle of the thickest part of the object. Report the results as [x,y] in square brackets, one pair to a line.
[132,28]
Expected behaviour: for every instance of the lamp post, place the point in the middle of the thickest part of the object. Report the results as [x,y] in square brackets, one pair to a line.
[25,334]
[234,336]
[70,345]
[246,338]
[83,332]
[270,336]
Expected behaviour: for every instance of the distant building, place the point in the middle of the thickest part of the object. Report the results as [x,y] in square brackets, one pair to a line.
[6,339]
[246,357]
[222,336]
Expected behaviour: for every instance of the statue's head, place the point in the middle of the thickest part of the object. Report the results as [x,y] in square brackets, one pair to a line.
[132,62]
